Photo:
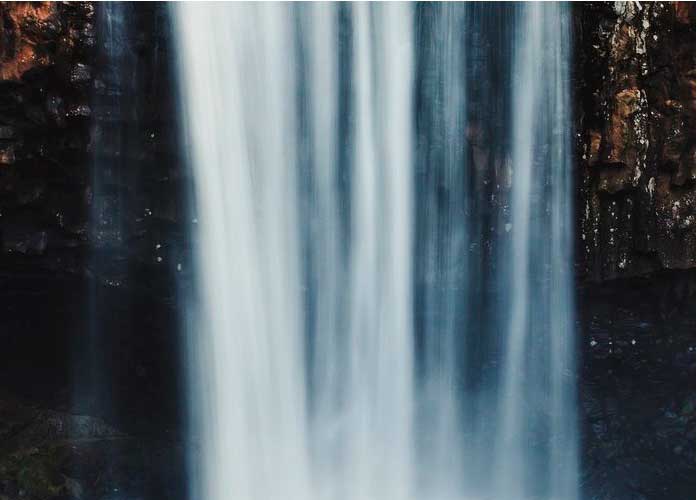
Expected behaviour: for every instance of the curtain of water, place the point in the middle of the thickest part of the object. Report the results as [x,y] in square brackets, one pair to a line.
[354,275]
[535,445]
[240,84]
[443,231]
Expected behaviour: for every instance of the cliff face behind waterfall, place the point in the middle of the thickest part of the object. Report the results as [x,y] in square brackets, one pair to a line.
[636,145]
[635,98]
[634,89]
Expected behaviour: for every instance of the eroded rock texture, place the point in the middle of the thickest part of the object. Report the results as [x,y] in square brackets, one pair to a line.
[636,112]
[45,55]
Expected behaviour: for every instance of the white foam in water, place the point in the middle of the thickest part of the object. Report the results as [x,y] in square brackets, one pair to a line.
[303,382]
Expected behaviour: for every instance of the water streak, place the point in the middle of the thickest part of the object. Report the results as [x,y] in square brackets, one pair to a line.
[537,396]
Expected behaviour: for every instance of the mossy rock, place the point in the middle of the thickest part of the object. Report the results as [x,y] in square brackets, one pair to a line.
[36,472]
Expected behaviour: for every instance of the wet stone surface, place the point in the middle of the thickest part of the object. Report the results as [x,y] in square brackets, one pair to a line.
[637,391]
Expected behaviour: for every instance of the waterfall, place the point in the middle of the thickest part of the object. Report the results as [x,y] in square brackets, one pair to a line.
[443,238]
[241,86]
[382,226]
[537,391]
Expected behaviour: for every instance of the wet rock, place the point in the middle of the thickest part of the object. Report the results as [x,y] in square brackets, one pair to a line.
[27,26]
[50,455]
[82,110]
[636,144]
[80,73]
[30,244]
[6,132]
[7,156]
[637,401]
[614,178]
[684,12]
[56,109]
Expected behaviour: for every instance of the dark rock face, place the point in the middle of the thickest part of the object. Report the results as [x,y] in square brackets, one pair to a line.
[48,454]
[637,387]
[44,131]
[636,137]
[64,110]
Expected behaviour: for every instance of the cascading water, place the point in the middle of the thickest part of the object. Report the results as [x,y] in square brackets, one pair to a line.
[383,243]
[537,393]
[443,234]
[241,87]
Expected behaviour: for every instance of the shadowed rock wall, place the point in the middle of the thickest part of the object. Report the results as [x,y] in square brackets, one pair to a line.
[64,111]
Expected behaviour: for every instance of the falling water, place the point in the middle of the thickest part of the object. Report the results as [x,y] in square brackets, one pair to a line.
[443,231]
[241,86]
[537,387]
[382,208]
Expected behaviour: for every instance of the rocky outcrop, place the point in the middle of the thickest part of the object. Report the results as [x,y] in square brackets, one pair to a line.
[636,137]
[66,106]
[45,55]
[47,454]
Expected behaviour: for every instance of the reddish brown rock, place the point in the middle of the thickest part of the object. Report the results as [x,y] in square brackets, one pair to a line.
[636,137]
[28,25]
